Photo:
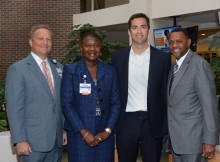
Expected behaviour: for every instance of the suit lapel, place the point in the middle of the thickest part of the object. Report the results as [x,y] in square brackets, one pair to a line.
[83,70]
[55,77]
[152,67]
[125,66]
[101,70]
[180,72]
[33,66]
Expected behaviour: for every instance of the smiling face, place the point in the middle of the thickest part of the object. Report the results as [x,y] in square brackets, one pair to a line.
[139,31]
[179,44]
[41,42]
[90,48]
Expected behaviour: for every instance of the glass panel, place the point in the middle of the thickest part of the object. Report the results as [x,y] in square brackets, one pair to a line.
[90,5]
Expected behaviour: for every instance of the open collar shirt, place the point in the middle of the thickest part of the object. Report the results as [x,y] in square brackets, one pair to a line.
[138,80]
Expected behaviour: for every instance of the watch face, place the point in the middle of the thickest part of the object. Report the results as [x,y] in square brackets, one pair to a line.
[108,130]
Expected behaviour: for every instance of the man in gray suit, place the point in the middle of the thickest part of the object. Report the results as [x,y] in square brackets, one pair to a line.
[33,101]
[192,103]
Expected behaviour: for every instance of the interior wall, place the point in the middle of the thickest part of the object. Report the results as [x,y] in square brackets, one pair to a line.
[175,7]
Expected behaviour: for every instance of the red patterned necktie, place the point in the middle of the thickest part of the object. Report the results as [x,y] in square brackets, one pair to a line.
[47,75]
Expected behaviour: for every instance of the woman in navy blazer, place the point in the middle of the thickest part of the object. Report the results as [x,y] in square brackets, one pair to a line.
[91,104]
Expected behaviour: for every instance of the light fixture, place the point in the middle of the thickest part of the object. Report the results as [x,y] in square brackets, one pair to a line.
[203,34]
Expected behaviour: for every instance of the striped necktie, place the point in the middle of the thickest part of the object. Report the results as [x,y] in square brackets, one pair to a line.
[174,71]
[47,75]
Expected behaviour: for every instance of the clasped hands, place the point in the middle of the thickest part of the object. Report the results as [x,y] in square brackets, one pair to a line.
[93,140]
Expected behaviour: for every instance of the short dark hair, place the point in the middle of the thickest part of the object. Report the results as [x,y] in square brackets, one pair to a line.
[40,26]
[184,31]
[85,33]
[139,15]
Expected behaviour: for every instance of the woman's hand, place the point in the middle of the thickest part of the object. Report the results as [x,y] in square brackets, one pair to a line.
[89,138]
[102,136]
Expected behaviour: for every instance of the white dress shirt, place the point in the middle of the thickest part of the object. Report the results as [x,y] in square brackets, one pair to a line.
[138,81]
[180,61]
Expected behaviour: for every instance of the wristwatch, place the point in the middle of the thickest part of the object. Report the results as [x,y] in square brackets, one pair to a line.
[108,130]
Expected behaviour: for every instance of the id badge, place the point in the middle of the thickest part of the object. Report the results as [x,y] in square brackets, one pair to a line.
[85,89]
[98,111]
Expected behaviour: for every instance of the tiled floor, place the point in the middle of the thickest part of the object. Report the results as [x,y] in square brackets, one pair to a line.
[164,158]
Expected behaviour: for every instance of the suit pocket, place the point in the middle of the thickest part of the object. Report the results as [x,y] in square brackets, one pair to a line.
[32,122]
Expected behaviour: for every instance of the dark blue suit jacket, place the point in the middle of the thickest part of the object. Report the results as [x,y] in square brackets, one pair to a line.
[157,87]
[79,110]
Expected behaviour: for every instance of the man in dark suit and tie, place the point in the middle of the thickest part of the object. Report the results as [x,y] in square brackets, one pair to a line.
[33,101]
[142,71]
[192,103]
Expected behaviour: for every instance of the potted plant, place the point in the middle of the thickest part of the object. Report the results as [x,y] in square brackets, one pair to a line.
[73,46]
[7,151]
[3,116]
[214,44]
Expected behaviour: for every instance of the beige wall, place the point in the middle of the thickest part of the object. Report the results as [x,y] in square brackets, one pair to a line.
[104,17]
[155,9]
[111,16]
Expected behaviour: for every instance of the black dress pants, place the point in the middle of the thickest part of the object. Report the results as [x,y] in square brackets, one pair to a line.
[133,132]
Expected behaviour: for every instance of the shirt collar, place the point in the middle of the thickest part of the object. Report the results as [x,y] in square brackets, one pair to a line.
[147,51]
[180,61]
[38,59]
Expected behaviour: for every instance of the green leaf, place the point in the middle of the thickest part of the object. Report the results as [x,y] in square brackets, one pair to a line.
[73,46]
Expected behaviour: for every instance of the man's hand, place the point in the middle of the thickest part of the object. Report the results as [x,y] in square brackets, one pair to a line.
[64,138]
[208,151]
[23,148]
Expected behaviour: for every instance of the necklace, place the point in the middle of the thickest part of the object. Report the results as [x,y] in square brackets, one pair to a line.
[92,68]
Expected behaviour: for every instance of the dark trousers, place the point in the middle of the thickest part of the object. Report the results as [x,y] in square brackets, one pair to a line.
[133,132]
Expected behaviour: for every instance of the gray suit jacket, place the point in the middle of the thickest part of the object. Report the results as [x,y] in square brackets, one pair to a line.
[34,114]
[192,107]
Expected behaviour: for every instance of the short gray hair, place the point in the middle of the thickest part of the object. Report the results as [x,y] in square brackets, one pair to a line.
[36,27]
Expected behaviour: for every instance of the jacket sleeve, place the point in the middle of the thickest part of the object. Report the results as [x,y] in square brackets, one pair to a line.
[15,100]
[114,101]
[205,87]
[67,100]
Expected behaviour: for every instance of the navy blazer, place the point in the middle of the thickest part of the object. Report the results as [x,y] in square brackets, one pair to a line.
[157,87]
[79,110]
